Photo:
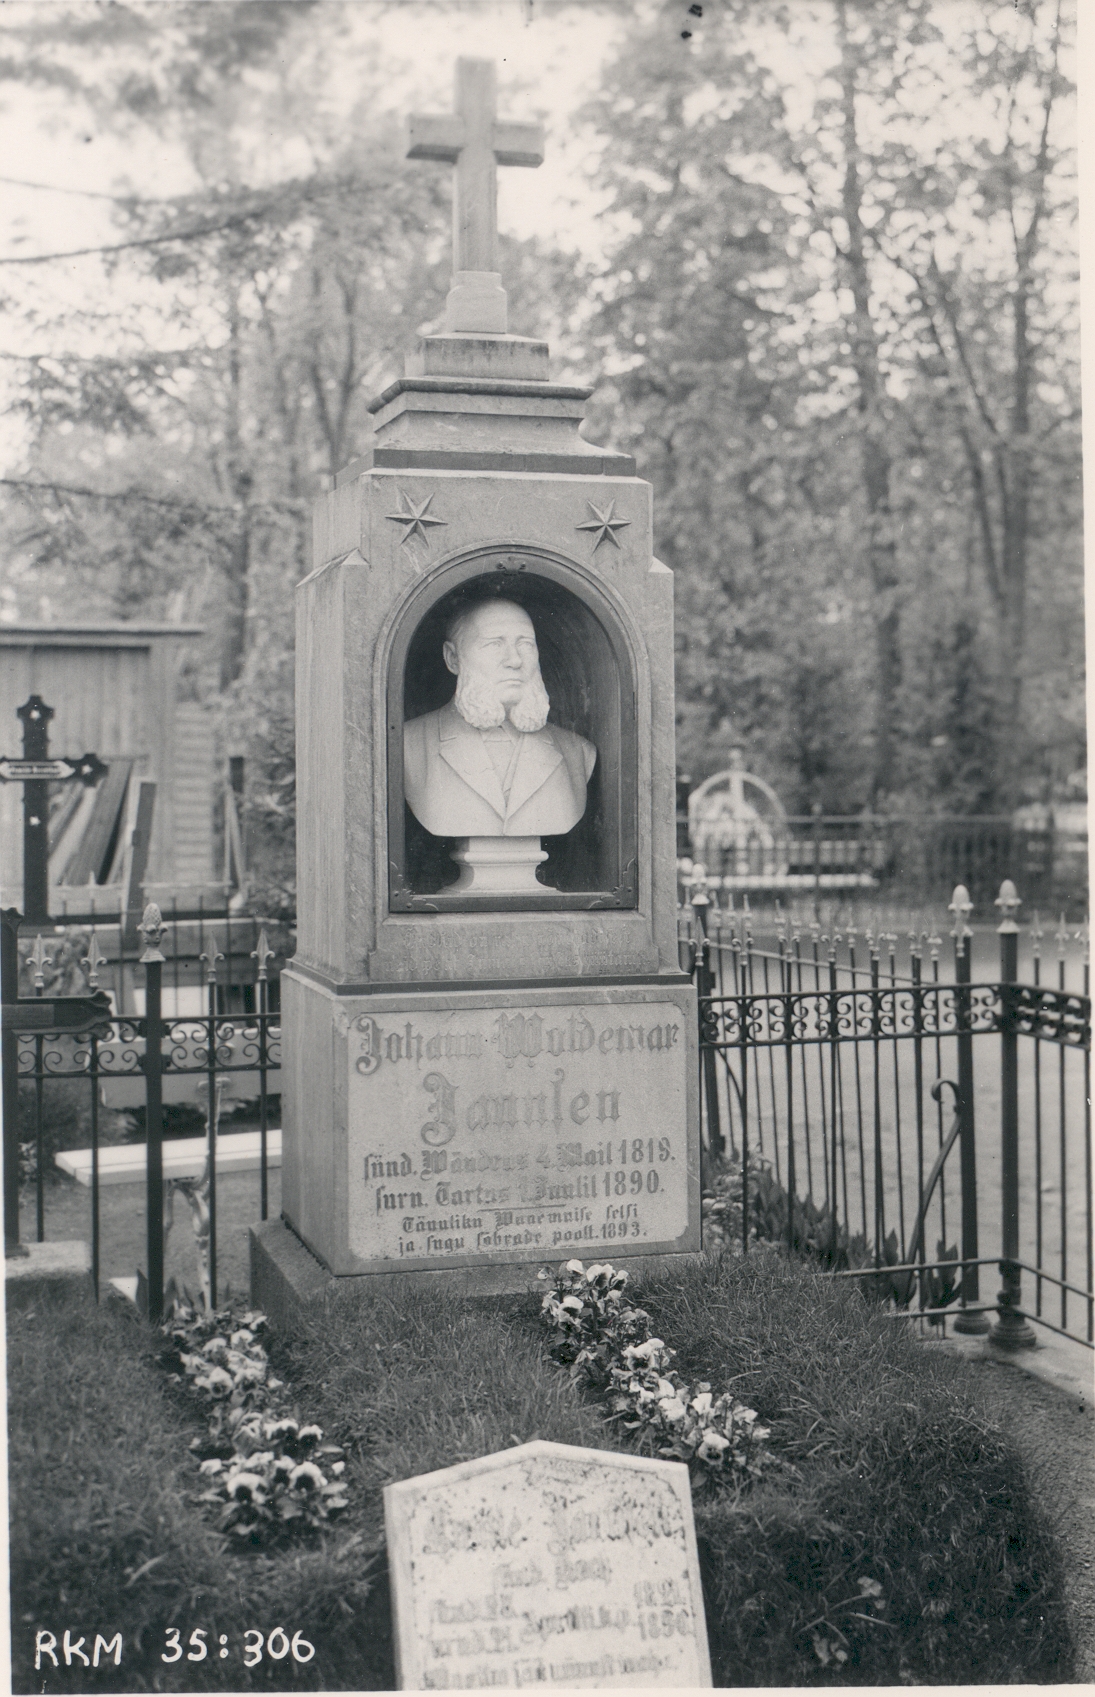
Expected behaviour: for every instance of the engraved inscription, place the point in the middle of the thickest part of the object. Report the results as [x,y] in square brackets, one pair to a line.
[548,1566]
[517,1133]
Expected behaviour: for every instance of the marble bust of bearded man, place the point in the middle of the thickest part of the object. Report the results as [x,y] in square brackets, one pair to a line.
[488,764]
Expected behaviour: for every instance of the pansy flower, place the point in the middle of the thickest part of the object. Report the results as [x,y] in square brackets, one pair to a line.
[672,1409]
[217,1382]
[246,1487]
[306,1476]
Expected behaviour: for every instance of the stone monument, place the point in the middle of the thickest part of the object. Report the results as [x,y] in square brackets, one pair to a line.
[490,1048]
[546,1565]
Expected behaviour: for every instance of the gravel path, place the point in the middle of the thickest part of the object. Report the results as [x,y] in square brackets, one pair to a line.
[1055,1432]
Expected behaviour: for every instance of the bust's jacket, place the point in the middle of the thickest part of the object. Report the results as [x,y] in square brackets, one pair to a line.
[453,790]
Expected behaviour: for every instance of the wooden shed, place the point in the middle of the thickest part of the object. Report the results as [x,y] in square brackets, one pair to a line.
[114,691]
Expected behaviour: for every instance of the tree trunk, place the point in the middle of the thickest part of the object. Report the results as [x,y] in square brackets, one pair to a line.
[238,563]
[881,543]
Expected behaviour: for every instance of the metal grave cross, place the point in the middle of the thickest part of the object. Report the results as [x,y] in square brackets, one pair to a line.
[36,771]
[474,140]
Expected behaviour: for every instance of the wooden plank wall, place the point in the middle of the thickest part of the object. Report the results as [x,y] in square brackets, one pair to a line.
[194,779]
[116,698]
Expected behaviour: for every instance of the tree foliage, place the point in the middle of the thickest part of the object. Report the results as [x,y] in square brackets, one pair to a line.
[835,321]
[868,491]
[271,312]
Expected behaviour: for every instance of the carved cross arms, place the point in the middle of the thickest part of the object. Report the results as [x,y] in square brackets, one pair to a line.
[443,138]
[476,142]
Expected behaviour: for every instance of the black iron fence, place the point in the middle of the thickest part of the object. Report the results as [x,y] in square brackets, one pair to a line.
[202,1028]
[909,1110]
[60,956]
[849,1079]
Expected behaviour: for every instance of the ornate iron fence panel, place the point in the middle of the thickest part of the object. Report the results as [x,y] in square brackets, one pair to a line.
[77,1098]
[195,1045]
[926,1125]
[820,1016]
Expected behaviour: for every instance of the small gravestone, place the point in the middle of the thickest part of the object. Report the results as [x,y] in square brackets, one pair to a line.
[546,1565]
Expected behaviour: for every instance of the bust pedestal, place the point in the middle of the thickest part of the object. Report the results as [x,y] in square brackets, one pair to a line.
[499,866]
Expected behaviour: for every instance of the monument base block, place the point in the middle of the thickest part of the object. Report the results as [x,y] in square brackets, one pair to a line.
[487,1132]
[287,1282]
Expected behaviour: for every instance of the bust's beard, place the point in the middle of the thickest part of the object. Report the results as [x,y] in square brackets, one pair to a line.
[480,704]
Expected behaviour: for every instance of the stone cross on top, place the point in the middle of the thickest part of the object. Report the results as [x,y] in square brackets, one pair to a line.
[473,139]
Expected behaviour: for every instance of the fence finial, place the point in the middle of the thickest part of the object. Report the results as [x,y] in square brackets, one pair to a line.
[39,958]
[92,961]
[262,954]
[152,929]
[211,964]
[1009,903]
[961,907]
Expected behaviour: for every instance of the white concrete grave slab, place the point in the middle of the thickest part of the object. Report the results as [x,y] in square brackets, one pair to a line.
[546,1564]
[183,1157]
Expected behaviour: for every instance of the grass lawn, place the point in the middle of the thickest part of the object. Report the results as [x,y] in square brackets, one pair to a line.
[894,1474]
[122,1227]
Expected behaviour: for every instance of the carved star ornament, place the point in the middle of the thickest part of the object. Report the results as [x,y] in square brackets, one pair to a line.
[415,517]
[604,524]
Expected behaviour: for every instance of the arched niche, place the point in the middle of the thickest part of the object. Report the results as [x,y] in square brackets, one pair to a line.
[588,668]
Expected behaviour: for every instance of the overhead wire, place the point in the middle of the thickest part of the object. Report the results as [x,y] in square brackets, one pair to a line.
[151,500]
[89,194]
[137,241]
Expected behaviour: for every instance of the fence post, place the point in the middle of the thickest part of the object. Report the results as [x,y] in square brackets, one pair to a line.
[1011,1330]
[262,952]
[836,1110]
[90,965]
[152,930]
[975,1325]
[789,1062]
[743,1051]
[9,992]
[705,984]
[212,1112]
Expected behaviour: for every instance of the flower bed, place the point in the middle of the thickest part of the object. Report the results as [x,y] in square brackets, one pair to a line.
[263,1468]
[608,1344]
